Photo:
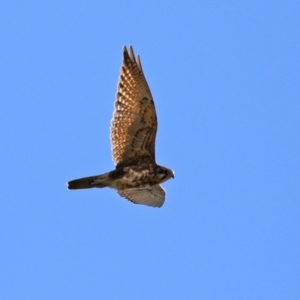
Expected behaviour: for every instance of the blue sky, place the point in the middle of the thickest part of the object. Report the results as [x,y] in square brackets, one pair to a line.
[225,79]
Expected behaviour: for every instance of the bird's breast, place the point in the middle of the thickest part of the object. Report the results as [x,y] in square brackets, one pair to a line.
[135,177]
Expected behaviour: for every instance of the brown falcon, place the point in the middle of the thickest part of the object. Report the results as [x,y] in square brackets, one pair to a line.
[136,177]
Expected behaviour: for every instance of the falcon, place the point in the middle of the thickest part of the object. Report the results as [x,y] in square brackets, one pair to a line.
[136,177]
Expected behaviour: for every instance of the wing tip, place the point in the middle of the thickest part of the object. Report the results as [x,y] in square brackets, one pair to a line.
[130,54]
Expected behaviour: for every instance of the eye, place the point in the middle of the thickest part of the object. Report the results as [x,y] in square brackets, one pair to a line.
[160,171]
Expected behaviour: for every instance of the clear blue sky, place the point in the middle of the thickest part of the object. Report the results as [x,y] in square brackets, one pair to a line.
[225,76]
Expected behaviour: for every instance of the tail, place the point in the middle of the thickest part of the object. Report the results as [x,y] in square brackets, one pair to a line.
[99,181]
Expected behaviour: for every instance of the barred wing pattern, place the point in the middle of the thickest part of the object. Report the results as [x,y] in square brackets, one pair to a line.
[152,196]
[134,123]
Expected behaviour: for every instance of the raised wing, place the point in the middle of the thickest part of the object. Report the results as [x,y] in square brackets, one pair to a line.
[152,196]
[134,123]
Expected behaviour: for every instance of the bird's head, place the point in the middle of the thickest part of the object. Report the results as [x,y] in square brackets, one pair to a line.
[164,174]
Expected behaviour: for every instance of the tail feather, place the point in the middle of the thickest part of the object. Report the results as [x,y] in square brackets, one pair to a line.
[99,181]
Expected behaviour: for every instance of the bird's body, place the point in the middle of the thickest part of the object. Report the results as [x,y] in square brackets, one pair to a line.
[134,125]
[123,178]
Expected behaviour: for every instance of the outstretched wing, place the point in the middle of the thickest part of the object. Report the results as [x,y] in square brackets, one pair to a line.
[134,123]
[152,196]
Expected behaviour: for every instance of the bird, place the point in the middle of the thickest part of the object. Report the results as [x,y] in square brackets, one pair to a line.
[137,176]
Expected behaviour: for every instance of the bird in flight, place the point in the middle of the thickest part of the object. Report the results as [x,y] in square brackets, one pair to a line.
[136,177]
